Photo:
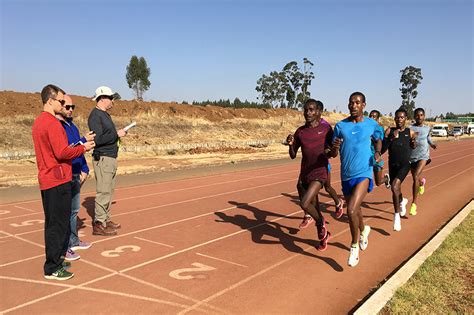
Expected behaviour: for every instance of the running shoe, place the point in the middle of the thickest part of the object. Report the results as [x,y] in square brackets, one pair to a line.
[340,208]
[364,238]
[421,190]
[413,209]
[81,245]
[66,265]
[307,220]
[323,244]
[403,207]
[397,224]
[61,275]
[387,180]
[354,255]
[322,230]
[71,255]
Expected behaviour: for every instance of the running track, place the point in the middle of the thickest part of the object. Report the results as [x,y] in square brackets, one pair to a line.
[225,243]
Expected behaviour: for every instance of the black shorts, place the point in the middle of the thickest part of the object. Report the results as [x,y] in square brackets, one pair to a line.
[399,171]
[414,165]
[306,185]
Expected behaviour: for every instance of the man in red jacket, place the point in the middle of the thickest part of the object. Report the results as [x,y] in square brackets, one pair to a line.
[53,159]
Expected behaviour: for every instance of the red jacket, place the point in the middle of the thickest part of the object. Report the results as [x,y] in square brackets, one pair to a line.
[53,154]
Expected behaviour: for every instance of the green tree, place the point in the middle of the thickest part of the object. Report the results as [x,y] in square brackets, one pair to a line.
[137,76]
[272,89]
[410,78]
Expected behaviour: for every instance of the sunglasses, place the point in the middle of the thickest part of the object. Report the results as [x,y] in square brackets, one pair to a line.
[60,101]
[68,107]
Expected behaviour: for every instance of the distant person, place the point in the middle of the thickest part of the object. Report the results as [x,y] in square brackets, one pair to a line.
[313,138]
[104,159]
[353,138]
[53,159]
[399,141]
[80,172]
[420,156]
[380,178]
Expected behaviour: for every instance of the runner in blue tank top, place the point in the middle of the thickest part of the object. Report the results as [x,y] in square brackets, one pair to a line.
[420,156]
[379,177]
[353,137]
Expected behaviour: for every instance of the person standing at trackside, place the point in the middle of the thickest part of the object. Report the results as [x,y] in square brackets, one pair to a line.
[399,141]
[53,159]
[353,137]
[104,159]
[313,138]
[420,156]
[80,172]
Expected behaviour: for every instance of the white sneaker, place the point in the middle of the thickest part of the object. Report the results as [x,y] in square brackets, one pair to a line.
[354,256]
[364,238]
[403,207]
[397,224]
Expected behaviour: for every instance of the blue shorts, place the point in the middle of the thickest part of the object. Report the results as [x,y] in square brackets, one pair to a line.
[329,167]
[378,165]
[348,185]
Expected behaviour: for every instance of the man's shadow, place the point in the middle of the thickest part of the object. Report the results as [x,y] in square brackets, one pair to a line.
[260,227]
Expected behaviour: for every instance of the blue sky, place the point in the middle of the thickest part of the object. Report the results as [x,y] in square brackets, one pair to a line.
[201,50]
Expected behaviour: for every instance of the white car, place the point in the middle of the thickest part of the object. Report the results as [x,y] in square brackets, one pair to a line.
[439,130]
[457,131]
[470,128]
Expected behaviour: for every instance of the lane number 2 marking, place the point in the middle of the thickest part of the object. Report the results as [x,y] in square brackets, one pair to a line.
[197,267]
[117,251]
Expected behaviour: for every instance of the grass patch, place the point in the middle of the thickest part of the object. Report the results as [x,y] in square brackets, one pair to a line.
[444,282]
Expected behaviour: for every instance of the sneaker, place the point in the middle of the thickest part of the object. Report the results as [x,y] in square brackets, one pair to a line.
[403,207]
[60,275]
[340,208]
[71,255]
[364,238]
[81,245]
[387,181]
[323,244]
[397,224]
[307,220]
[413,209]
[113,225]
[421,190]
[100,229]
[353,256]
[66,265]
[322,230]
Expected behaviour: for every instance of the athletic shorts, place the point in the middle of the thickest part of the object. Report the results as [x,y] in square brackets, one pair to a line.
[348,185]
[306,185]
[399,171]
[378,165]
[329,167]
[414,165]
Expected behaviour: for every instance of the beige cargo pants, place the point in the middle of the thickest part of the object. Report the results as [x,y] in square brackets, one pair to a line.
[105,170]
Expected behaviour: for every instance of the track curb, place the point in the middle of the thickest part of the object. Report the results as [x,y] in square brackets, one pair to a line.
[379,299]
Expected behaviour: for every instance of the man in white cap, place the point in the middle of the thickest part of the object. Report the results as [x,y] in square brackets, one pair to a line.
[104,159]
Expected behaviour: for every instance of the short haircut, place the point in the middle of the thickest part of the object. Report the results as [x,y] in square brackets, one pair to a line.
[401,110]
[357,94]
[419,109]
[50,91]
[319,104]
[376,112]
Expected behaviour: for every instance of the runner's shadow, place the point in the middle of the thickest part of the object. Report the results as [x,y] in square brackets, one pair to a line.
[379,230]
[260,228]
[293,198]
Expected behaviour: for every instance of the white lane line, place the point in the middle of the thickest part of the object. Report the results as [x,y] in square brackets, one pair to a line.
[150,241]
[27,209]
[223,260]
[204,197]
[238,284]
[21,260]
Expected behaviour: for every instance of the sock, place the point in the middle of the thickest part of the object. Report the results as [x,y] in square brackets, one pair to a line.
[356,245]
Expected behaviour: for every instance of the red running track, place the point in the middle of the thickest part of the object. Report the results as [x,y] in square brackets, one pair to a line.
[226,243]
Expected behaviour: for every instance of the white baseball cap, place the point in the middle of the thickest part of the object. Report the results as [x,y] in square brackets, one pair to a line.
[104,90]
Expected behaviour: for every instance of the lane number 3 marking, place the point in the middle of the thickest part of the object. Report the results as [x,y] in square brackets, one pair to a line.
[117,251]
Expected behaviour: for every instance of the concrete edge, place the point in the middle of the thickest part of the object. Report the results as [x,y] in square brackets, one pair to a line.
[379,299]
